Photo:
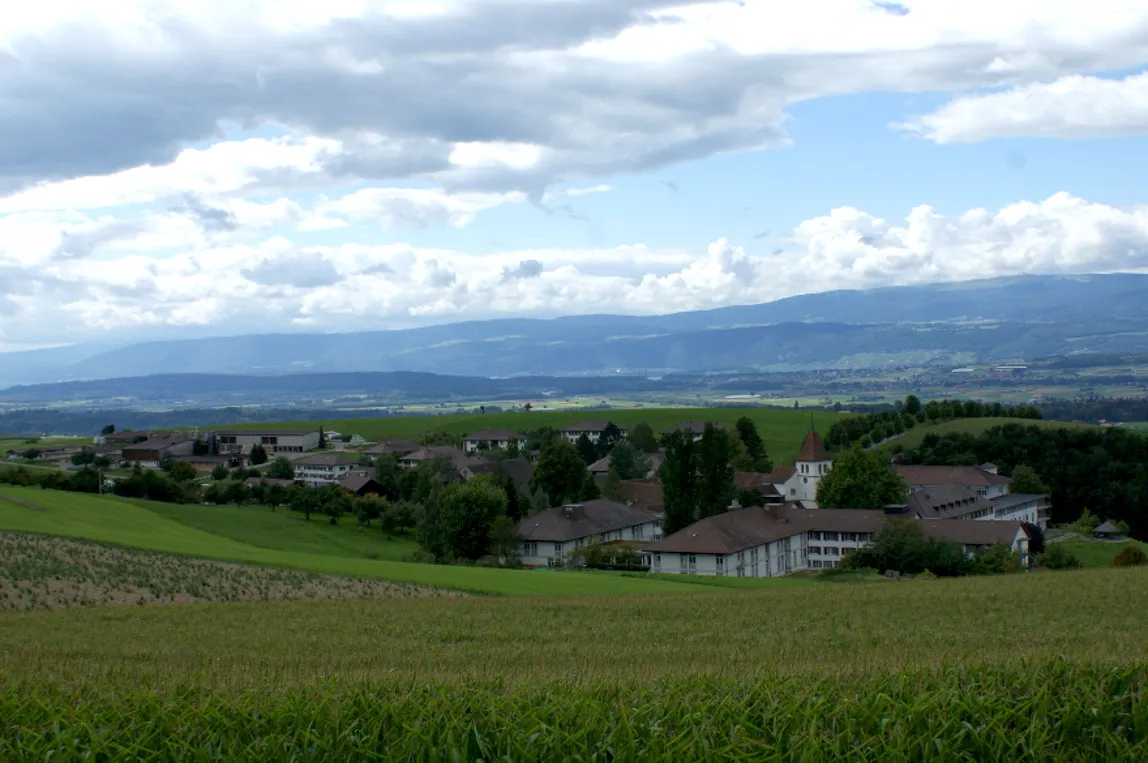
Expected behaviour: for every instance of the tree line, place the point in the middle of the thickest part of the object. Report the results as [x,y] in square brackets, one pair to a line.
[1104,470]
[870,429]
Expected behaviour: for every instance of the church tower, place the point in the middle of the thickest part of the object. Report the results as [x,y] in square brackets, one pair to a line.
[813,462]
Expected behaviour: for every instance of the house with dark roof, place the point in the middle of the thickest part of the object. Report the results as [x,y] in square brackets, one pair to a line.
[491,438]
[1107,531]
[600,468]
[520,470]
[550,536]
[455,456]
[644,493]
[949,502]
[386,447]
[779,540]
[151,453]
[593,429]
[361,483]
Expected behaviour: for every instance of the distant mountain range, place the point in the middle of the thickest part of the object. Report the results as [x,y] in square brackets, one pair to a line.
[985,320]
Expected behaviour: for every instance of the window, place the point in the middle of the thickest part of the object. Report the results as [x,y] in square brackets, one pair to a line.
[849,536]
[793,491]
[815,535]
[816,564]
[657,561]
[830,536]
[831,551]
[720,562]
[815,549]
[529,549]
[558,549]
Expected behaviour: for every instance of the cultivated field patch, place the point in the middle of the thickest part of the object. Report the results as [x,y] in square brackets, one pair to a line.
[41,572]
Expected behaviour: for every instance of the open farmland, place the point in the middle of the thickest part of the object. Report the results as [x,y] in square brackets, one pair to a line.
[44,572]
[781,429]
[1046,666]
[113,520]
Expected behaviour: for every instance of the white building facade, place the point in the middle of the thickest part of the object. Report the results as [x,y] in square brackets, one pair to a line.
[326,469]
[552,536]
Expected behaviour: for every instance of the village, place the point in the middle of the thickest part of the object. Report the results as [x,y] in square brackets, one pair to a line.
[773,526]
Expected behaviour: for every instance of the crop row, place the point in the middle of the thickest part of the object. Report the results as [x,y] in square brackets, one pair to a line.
[39,572]
[1055,711]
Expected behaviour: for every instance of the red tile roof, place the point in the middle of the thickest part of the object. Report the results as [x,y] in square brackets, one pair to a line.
[813,449]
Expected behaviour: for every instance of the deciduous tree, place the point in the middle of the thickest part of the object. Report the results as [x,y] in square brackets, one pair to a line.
[642,436]
[861,479]
[560,473]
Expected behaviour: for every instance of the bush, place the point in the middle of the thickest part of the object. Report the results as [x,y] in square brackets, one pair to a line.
[998,559]
[1130,556]
[1058,557]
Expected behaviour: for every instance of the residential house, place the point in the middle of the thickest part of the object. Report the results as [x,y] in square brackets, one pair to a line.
[491,438]
[520,470]
[779,540]
[274,442]
[764,484]
[644,493]
[326,468]
[695,428]
[549,536]
[387,447]
[457,458]
[593,429]
[361,483]
[600,468]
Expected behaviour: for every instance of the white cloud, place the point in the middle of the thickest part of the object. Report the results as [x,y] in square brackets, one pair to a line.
[277,284]
[1070,107]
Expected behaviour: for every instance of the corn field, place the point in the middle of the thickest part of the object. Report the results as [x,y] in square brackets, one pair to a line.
[1052,711]
[39,572]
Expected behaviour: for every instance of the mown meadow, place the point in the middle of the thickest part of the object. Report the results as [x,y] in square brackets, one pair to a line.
[1043,666]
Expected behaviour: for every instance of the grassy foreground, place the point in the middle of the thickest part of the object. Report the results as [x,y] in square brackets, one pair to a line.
[111,520]
[1093,553]
[1047,666]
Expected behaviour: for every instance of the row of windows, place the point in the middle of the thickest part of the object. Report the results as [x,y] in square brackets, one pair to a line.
[836,536]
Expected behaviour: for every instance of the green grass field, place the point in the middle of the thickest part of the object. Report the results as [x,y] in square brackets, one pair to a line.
[1041,667]
[112,520]
[286,531]
[1099,553]
[782,430]
[913,438]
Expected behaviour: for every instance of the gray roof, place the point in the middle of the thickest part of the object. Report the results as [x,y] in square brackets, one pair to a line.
[518,469]
[393,446]
[581,520]
[356,482]
[741,529]
[488,435]
[268,432]
[970,476]
[1009,500]
[327,459]
[602,465]
[1107,528]
[696,427]
[946,502]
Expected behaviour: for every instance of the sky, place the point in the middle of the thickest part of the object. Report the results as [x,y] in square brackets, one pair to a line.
[172,168]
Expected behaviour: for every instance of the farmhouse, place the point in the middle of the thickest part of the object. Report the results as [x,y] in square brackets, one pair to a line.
[490,438]
[552,534]
[592,429]
[779,540]
[150,453]
[325,469]
[273,441]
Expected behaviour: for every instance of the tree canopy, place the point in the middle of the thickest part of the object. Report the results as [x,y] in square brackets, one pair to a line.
[861,479]
[560,472]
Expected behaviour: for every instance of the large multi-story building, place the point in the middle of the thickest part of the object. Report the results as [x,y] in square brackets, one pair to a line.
[549,537]
[592,429]
[491,438]
[780,540]
[273,441]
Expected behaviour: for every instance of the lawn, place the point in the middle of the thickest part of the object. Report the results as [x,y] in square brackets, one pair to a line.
[1093,553]
[286,531]
[112,520]
[913,437]
[781,429]
[1045,666]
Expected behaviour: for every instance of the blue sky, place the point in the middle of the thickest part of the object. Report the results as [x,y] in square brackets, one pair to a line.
[294,167]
